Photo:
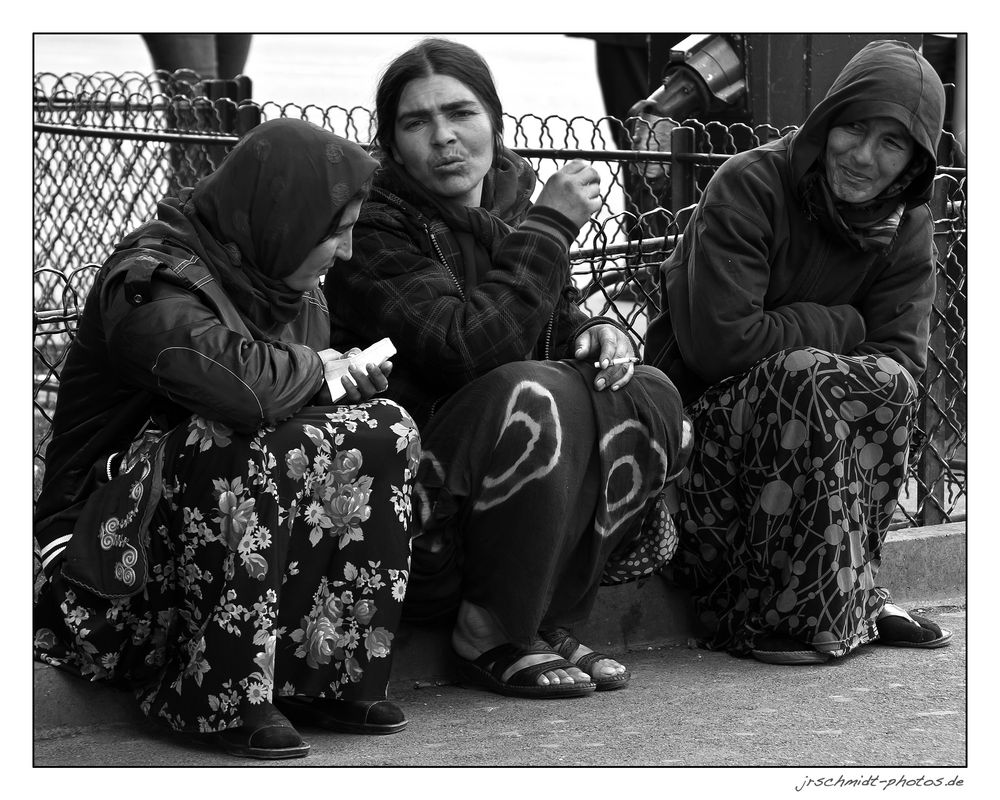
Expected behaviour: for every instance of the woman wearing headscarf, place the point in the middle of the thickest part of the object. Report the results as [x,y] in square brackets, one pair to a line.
[214,531]
[796,326]
[546,450]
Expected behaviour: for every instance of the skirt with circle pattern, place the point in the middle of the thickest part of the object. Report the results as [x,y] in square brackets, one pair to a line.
[787,501]
[534,489]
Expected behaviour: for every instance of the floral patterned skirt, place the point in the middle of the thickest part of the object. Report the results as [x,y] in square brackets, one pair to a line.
[797,468]
[273,564]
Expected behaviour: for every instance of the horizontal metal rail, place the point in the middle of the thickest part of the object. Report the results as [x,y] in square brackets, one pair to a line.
[635,247]
[620,155]
[556,153]
[143,136]
[47,315]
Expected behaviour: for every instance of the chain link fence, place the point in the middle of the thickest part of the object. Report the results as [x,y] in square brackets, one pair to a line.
[108,147]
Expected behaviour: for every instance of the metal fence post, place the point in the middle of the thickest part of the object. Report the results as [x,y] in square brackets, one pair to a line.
[244,88]
[930,419]
[222,93]
[247,117]
[682,173]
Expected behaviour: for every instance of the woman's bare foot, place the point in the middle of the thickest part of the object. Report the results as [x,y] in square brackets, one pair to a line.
[476,632]
[604,670]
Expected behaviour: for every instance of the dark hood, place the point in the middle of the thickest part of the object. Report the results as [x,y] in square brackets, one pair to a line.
[885,79]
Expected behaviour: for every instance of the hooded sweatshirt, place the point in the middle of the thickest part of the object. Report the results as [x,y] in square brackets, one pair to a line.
[757,272]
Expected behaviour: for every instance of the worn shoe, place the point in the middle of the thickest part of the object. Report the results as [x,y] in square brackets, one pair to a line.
[899,628]
[784,650]
[265,733]
[370,717]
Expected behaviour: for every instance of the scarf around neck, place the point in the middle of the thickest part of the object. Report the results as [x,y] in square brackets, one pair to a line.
[506,197]
[870,226]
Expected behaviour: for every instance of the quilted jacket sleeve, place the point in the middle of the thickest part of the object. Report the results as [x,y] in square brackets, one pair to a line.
[174,344]
[397,291]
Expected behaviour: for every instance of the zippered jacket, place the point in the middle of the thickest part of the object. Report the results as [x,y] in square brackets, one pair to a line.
[408,280]
[754,274]
[159,340]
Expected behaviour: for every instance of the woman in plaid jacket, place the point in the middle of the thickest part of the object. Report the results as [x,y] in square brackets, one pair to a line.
[546,449]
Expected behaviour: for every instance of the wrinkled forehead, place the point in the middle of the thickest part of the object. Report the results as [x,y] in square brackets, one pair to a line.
[434,93]
[886,116]
[885,126]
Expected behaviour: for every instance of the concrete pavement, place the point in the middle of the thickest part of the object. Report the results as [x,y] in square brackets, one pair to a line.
[879,707]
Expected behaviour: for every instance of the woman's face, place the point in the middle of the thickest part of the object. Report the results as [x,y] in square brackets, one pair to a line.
[444,138]
[324,255]
[864,157]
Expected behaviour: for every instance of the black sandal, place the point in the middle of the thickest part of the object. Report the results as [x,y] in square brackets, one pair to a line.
[486,672]
[265,733]
[368,717]
[898,628]
[565,644]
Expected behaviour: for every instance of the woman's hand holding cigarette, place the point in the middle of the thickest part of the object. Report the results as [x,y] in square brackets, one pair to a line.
[610,350]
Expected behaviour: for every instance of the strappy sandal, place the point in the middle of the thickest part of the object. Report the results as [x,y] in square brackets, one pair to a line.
[565,644]
[486,672]
[265,733]
[898,628]
[785,650]
[369,717]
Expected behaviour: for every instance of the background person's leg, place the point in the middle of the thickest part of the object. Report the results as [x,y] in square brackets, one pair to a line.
[174,51]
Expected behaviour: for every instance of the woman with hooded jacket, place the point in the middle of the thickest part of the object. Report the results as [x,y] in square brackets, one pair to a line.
[795,323]
[213,531]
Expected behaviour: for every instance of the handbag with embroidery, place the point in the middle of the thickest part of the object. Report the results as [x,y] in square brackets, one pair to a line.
[107,554]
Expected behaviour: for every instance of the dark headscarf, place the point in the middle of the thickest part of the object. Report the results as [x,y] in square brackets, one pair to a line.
[884,79]
[274,198]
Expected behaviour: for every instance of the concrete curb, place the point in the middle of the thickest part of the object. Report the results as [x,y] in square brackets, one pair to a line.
[920,565]
[925,563]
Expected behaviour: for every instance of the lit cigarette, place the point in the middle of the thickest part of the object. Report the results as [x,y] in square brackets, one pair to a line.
[616,361]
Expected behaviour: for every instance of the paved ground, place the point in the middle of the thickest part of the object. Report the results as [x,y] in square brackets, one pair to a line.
[894,711]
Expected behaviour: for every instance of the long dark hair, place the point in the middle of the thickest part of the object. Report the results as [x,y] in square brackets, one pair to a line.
[435,57]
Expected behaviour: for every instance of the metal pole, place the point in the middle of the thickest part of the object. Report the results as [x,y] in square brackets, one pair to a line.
[682,171]
[930,483]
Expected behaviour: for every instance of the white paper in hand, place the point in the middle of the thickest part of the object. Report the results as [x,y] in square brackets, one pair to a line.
[374,354]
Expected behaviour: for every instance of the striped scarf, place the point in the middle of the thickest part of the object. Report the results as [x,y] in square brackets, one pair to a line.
[868,226]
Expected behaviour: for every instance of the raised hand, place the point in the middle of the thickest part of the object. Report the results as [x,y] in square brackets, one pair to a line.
[574,191]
